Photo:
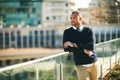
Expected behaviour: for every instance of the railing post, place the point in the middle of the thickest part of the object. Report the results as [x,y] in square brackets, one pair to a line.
[60,71]
[116,32]
[104,34]
[110,33]
[116,59]
[99,36]
[110,63]
[37,74]
[101,73]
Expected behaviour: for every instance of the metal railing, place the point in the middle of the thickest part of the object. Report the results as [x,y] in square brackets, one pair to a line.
[108,56]
[55,67]
[61,66]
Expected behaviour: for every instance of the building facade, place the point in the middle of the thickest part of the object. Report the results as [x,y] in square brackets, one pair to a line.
[27,37]
[56,12]
[21,13]
[34,13]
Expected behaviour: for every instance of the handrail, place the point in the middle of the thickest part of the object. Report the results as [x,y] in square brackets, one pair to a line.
[30,62]
[107,41]
[41,59]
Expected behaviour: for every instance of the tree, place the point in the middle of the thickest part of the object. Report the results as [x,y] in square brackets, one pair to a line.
[105,11]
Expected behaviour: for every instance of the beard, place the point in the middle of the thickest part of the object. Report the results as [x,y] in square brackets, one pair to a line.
[74,24]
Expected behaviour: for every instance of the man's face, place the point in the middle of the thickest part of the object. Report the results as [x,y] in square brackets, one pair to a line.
[75,19]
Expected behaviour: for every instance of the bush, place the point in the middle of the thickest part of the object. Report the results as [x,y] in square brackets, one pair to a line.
[114,73]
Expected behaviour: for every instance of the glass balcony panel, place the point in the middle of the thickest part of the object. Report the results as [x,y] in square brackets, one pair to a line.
[61,65]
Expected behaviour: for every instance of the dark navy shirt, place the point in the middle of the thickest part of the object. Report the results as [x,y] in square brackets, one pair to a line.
[84,39]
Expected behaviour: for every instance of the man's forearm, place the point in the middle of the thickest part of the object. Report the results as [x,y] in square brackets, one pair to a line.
[89,46]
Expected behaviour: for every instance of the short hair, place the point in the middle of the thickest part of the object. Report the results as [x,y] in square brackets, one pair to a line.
[76,12]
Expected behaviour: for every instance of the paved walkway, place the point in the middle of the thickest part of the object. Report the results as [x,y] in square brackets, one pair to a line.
[28,52]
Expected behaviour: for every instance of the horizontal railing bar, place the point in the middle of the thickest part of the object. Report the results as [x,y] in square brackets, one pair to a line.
[30,62]
[107,41]
[45,58]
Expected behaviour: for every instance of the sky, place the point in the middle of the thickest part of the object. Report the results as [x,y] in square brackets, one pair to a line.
[82,3]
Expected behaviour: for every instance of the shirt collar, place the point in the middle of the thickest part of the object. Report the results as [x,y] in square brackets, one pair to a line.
[81,27]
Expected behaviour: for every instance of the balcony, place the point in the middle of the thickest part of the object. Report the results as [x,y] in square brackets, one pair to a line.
[61,66]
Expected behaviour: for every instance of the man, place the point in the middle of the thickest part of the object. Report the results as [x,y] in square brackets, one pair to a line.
[80,40]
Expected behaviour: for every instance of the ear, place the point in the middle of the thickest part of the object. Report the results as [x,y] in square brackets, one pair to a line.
[80,18]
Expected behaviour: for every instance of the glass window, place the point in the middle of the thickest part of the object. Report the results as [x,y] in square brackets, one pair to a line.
[8,62]
[54,17]
[33,10]
[17,61]
[33,15]
[24,60]
[66,4]
[39,22]
[1,40]
[47,18]
[12,4]
[26,3]
[32,59]
[0,63]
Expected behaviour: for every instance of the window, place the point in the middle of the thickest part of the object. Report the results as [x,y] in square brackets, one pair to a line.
[33,10]
[66,4]
[24,60]
[17,61]
[39,22]
[54,17]
[32,58]
[0,63]
[26,3]
[47,18]
[8,62]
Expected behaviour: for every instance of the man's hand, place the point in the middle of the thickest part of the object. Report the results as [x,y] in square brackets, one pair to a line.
[88,52]
[68,43]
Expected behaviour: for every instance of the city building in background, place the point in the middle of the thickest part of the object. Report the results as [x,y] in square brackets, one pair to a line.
[56,12]
[39,24]
[21,13]
[35,13]
[27,37]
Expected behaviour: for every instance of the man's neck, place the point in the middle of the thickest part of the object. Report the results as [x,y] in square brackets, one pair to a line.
[78,25]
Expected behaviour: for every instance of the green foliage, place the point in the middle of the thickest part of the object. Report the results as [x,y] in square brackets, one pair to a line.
[73,78]
[115,74]
[46,75]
